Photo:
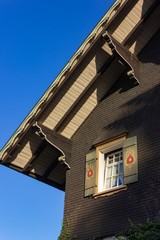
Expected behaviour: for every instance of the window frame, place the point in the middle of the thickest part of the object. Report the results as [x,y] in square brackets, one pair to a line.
[101,149]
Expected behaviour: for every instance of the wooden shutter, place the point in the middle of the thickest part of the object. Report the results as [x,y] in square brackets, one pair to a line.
[130,160]
[90,174]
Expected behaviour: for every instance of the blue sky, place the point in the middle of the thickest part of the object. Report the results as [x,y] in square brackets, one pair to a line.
[37,38]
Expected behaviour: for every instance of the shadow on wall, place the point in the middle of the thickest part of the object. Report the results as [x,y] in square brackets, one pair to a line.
[152,55]
[137,45]
[140,116]
[141,200]
[152,52]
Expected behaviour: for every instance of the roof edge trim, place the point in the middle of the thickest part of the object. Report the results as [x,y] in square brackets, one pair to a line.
[35,110]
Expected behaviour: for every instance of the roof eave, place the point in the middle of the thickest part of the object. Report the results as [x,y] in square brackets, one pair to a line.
[49,92]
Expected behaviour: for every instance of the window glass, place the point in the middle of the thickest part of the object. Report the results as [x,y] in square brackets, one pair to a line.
[114,169]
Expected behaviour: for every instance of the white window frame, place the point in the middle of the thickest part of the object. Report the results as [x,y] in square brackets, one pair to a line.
[101,167]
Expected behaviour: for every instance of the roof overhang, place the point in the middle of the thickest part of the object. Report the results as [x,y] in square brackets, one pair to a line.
[41,146]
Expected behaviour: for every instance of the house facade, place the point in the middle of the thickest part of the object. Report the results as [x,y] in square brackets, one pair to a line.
[95,132]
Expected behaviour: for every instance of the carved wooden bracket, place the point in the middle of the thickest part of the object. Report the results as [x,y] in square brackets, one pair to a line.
[59,142]
[124,56]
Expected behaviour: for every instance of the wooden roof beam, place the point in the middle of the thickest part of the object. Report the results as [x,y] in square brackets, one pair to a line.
[128,41]
[124,56]
[37,153]
[51,167]
[74,105]
[60,158]
[120,14]
[63,143]
[54,164]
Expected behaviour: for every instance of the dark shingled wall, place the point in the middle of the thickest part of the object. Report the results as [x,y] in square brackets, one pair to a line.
[138,110]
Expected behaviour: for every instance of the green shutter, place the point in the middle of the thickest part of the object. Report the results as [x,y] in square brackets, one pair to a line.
[130,160]
[90,174]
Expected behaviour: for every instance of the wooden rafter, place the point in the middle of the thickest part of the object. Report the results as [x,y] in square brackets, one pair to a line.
[51,167]
[131,36]
[59,158]
[37,153]
[78,100]
[60,141]
[124,7]
[120,14]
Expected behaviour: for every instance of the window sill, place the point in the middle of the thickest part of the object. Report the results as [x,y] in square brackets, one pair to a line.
[110,191]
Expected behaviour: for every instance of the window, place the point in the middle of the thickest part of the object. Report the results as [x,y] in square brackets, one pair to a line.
[110,166]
